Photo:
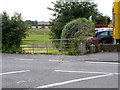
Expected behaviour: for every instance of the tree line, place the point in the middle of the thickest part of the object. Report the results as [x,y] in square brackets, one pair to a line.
[65,12]
[32,23]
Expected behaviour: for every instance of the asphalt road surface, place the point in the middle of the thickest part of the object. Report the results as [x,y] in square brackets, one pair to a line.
[60,71]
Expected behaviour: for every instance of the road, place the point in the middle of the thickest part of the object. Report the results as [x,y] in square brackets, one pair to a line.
[60,71]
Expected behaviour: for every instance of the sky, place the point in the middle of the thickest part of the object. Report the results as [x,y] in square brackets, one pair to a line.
[37,9]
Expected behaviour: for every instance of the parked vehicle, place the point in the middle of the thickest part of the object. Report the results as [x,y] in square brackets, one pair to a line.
[105,35]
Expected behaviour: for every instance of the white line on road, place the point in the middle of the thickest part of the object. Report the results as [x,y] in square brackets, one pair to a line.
[57,61]
[89,59]
[102,62]
[67,71]
[20,82]
[25,59]
[54,60]
[14,72]
[73,81]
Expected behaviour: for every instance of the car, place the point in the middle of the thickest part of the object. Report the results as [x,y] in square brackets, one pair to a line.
[105,35]
[97,29]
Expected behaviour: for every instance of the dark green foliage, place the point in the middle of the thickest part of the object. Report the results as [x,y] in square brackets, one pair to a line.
[33,23]
[74,48]
[101,20]
[66,12]
[79,29]
[13,31]
[43,26]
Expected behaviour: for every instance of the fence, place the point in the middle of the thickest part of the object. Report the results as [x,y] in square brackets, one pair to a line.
[46,46]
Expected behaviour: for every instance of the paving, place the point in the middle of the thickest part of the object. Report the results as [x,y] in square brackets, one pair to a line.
[60,71]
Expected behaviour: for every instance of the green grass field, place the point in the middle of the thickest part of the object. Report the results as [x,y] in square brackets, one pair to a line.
[38,35]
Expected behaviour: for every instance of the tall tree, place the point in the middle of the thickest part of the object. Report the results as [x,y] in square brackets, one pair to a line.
[102,20]
[64,12]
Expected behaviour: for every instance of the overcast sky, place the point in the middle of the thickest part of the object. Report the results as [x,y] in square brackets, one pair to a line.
[37,9]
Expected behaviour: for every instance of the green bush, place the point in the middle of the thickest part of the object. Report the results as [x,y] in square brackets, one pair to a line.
[13,31]
[12,49]
[74,48]
[79,29]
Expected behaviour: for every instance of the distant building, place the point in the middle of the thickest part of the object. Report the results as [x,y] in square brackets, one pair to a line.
[43,23]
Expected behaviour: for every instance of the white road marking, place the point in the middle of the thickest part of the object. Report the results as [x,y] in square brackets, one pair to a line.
[28,81]
[73,81]
[54,60]
[14,72]
[67,71]
[20,82]
[57,61]
[89,59]
[25,59]
[101,62]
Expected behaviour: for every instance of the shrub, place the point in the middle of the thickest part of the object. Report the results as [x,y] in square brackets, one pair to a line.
[13,31]
[79,29]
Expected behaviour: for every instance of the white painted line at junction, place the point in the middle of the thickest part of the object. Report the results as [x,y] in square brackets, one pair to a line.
[20,82]
[26,59]
[14,72]
[73,81]
[67,71]
[57,61]
[89,59]
[54,60]
[101,62]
